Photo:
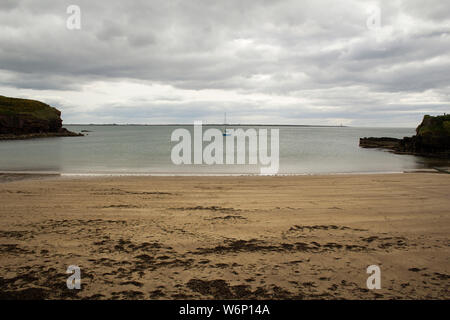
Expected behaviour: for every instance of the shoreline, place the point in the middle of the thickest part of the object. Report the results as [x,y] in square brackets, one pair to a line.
[187,174]
[9,137]
[8,176]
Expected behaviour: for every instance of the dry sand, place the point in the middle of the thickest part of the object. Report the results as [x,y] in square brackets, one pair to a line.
[297,237]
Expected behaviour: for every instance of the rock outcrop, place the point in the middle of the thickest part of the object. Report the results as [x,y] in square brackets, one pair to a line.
[432,139]
[23,118]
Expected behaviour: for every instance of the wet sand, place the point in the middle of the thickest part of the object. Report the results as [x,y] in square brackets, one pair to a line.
[302,237]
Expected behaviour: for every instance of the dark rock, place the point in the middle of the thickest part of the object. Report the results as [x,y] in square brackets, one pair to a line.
[23,119]
[432,139]
[387,143]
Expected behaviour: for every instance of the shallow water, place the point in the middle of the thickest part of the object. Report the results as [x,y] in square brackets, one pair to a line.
[147,150]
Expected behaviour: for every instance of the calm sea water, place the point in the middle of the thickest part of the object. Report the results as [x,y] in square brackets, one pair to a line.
[147,149]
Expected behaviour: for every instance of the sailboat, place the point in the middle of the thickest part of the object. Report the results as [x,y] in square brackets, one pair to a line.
[224,130]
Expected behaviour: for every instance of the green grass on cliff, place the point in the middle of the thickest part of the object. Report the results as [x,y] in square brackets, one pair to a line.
[27,108]
[434,126]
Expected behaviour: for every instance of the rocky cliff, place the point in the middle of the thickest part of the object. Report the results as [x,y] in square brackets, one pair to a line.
[23,118]
[432,139]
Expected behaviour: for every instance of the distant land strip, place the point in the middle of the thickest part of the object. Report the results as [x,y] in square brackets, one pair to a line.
[207,124]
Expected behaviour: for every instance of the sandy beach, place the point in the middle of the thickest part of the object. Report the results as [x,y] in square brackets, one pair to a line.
[293,237]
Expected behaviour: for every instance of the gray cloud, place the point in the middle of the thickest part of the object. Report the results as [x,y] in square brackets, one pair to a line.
[319,55]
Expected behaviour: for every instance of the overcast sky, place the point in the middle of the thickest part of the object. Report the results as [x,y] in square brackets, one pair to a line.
[289,62]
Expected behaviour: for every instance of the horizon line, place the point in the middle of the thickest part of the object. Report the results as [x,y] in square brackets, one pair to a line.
[204,124]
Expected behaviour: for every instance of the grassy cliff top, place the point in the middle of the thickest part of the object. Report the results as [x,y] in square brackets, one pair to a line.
[27,108]
[434,125]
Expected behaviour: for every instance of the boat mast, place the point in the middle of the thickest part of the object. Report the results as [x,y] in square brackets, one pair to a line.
[224,130]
